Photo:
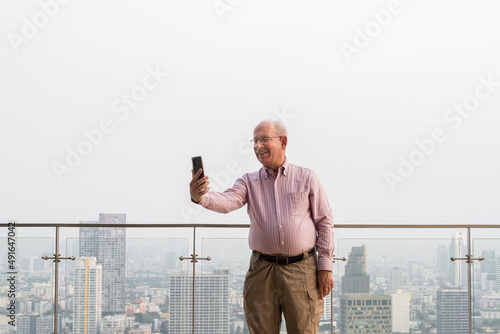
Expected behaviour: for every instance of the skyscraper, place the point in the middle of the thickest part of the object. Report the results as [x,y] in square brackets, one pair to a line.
[489,264]
[452,311]
[458,271]
[211,302]
[356,280]
[327,308]
[443,261]
[107,245]
[26,324]
[87,305]
[396,280]
[45,324]
[30,324]
[365,313]
[498,276]
[400,312]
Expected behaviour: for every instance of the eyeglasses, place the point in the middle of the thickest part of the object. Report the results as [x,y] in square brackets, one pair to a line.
[263,140]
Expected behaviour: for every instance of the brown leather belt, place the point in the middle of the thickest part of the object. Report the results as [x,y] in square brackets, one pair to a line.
[285,259]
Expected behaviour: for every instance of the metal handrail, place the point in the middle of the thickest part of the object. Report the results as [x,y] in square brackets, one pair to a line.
[194,226]
[146,225]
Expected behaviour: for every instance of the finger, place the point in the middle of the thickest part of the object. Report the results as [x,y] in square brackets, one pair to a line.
[201,181]
[197,175]
[201,190]
[202,185]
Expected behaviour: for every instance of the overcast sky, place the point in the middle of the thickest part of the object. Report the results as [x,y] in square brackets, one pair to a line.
[395,104]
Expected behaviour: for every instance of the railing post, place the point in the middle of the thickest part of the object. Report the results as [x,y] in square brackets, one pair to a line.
[194,258]
[57,258]
[468,259]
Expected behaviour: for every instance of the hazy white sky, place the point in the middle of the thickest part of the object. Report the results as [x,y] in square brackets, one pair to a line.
[356,83]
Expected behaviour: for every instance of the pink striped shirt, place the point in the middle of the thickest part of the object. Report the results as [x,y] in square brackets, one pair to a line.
[289,213]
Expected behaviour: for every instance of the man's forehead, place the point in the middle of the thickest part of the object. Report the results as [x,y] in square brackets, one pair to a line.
[264,129]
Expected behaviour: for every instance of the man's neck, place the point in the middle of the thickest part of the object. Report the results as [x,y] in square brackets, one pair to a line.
[276,170]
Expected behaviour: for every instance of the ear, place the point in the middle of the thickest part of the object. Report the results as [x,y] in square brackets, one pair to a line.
[284,142]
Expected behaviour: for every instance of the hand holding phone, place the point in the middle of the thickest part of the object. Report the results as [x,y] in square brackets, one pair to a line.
[199,184]
[197,165]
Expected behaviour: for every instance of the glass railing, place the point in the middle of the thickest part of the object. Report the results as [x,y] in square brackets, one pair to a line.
[396,279]
[26,280]
[486,282]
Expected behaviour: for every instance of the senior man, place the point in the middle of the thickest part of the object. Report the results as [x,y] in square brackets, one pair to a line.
[291,236]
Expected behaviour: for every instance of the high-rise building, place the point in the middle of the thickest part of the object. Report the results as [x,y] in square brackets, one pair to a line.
[87,304]
[498,276]
[356,280]
[396,280]
[458,271]
[107,245]
[443,261]
[489,264]
[211,302]
[45,324]
[365,313]
[26,324]
[452,311]
[30,324]
[400,312]
[327,308]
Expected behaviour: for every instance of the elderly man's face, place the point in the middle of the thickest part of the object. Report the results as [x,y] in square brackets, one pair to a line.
[272,153]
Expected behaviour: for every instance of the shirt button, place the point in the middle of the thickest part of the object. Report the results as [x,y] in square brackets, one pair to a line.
[277,196]
[280,226]
[282,242]
[279,211]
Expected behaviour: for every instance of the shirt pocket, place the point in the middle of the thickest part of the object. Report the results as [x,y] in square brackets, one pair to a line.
[298,202]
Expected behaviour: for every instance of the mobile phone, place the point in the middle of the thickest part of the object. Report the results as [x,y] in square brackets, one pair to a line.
[197,164]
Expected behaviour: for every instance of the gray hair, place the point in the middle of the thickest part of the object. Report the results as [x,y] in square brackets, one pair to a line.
[279,126]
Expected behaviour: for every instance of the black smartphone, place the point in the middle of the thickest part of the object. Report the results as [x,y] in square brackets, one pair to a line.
[197,164]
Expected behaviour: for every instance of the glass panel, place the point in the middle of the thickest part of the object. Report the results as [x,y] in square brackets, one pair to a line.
[147,264]
[400,283]
[229,262]
[221,286]
[486,281]
[27,290]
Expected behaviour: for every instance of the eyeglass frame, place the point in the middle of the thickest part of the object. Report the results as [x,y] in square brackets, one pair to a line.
[256,141]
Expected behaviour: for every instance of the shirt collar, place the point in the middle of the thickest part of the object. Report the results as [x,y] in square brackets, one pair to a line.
[283,167]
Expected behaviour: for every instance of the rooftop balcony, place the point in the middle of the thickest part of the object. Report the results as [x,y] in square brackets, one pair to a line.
[396,278]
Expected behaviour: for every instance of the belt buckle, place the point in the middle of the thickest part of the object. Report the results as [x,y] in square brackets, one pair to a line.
[281,258]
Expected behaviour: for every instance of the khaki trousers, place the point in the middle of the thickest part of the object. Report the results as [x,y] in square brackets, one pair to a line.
[271,289]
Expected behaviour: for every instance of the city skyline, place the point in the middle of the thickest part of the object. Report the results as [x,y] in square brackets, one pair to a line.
[150,262]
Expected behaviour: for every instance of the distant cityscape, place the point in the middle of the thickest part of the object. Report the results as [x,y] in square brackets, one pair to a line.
[122,285]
